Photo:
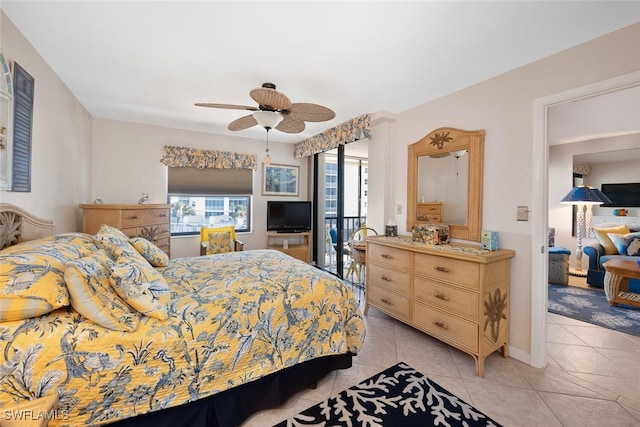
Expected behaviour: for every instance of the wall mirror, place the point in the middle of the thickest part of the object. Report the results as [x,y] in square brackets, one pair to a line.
[444,181]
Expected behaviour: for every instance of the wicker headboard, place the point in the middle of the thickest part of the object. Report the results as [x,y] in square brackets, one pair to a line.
[17,225]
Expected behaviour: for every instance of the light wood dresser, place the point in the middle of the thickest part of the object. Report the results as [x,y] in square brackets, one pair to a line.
[429,211]
[149,221]
[457,294]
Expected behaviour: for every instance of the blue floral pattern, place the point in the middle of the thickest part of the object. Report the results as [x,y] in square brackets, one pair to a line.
[233,318]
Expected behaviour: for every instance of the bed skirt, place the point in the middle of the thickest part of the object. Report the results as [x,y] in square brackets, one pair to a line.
[232,407]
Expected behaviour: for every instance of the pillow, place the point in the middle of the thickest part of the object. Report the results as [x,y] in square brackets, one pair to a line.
[627,244]
[115,241]
[602,234]
[153,254]
[30,413]
[219,243]
[141,286]
[91,294]
[19,307]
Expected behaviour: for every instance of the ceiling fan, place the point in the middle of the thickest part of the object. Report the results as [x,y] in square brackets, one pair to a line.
[275,111]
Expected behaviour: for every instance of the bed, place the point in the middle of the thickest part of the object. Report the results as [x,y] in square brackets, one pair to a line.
[211,339]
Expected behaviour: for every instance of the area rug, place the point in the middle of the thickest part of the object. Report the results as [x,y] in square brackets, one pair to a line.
[591,306]
[397,396]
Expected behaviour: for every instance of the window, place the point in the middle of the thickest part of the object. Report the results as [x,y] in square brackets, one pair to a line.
[209,197]
[190,213]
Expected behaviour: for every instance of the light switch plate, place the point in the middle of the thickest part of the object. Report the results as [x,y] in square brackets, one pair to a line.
[523,213]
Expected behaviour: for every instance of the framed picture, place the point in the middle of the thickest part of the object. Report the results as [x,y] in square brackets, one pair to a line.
[280,180]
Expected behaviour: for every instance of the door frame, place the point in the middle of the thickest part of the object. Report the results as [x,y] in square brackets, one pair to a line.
[540,197]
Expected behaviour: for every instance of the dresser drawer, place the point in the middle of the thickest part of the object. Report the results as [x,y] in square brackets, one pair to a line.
[445,326]
[388,301]
[384,255]
[164,244]
[446,297]
[451,270]
[393,280]
[149,232]
[134,217]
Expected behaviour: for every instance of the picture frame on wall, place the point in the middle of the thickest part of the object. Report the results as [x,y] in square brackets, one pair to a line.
[280,180]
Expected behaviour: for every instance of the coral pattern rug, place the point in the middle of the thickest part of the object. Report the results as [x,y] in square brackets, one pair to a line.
[591,306]
[397,396]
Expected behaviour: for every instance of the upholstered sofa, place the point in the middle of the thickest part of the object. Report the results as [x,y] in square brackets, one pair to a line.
[598,254]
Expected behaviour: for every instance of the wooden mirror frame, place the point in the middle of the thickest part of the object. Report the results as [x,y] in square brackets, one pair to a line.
[446,140]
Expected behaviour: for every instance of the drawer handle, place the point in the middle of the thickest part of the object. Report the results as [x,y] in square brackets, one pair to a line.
[386,256]
[386,279]
[162,215]
[440,324]
[443,269]
[132,217]
[442,297]
[386,301]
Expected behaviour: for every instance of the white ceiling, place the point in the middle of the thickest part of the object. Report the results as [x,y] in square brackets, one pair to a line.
[150,61]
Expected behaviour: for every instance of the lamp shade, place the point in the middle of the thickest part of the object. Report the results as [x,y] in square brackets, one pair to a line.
[267,119]
[601,196]
[582,195]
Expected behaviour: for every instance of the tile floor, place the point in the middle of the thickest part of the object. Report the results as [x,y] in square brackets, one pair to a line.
[592,376]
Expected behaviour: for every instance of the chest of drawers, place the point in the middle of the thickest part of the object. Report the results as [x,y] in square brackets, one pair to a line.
[457,294]
[149,221]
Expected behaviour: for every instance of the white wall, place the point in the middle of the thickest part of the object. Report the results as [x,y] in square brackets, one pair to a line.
[61,139]
[126,163]
[503,106]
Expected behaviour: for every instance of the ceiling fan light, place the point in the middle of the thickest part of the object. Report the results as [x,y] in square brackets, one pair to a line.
[267,119]
[459,153]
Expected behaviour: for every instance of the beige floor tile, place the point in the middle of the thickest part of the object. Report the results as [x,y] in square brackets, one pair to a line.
[559,333]
[556,380]
[583,359]
[378,351]
[510,406]
[576,411]
[605,338]
[621,387]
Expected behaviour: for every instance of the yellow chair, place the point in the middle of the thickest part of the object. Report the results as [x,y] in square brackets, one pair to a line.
[234,245]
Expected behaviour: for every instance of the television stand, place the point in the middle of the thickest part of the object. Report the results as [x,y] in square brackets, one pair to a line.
[297,244]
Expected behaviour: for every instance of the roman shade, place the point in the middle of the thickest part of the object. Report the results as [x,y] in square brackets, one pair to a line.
[203,182]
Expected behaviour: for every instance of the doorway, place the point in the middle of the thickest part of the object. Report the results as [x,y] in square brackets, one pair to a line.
[540,196]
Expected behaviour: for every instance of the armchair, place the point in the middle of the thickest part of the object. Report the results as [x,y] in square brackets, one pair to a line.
[225,237]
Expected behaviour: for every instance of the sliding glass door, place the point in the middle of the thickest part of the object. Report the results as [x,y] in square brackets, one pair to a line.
[341,201]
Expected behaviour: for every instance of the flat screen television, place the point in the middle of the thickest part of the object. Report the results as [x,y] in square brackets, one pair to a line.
[288,216]
[625,195]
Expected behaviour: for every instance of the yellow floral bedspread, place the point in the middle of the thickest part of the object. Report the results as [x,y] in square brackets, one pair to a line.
[234,318]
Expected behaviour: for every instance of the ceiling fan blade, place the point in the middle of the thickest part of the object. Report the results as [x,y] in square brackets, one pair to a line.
[289,125]
[242,123]
[227,106]
[270,98]
[310,112]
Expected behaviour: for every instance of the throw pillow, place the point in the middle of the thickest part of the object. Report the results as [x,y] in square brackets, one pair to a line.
[114,241]
[91,294]
[627,244]
[141,286]
[219,243]
[602,234]
[153,254]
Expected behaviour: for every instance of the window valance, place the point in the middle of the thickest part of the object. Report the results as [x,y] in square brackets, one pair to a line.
[349,131]
[182,157]
[582,168]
